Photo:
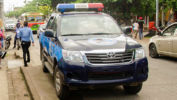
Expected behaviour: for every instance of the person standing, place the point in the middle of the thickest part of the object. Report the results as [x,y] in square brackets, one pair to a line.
[16,38]
[135,29]
[26,36]
[141,22]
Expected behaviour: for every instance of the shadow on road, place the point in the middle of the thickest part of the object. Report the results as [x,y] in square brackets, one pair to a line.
[101,94]
[172,59]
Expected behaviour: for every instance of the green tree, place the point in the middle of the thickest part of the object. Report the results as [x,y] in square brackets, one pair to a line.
[43,6]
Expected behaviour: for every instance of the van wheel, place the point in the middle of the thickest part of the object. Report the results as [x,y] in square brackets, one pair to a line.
[153,51]
[133,89]
[62,91]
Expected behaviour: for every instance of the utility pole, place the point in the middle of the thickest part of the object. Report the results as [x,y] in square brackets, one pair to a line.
[1,9]
[157,13]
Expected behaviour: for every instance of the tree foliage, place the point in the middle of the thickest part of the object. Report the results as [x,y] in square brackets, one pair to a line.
[43,6]
[119,9]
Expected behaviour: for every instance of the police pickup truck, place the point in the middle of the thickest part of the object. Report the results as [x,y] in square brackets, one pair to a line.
[82,47]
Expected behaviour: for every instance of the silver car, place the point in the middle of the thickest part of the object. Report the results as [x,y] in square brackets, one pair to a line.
[165,43]
[10,25]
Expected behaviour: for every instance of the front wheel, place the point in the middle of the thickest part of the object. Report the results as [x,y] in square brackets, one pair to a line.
[153,51]
[44,68]
[133,89]
[62,91]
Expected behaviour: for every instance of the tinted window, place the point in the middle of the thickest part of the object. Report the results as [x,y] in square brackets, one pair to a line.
[170,31]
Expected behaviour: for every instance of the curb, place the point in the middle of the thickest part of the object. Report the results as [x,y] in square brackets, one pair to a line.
[30,86]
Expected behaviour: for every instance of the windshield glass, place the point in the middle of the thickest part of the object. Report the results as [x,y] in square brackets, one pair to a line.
[30,19]
[39,18]
[89,25]
[10,22]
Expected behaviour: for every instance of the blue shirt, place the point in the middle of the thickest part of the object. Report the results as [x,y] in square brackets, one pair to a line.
[18,32]
[26,34]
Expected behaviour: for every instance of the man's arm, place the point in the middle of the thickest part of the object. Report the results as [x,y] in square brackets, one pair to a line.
[31,35]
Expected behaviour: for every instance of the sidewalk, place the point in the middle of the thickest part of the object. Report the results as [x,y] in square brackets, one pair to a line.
[3,82]
[40,84]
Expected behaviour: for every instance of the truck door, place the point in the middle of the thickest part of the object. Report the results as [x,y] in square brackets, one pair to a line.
[47,40]
[175,43]
[165,43]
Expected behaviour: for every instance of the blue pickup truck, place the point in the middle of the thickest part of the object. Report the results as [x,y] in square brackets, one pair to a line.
[84,47]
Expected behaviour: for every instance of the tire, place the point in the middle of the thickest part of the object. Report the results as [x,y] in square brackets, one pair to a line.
[62,91]
[40,52]
[44,68]
[153,51]
[7,45]
[133,89]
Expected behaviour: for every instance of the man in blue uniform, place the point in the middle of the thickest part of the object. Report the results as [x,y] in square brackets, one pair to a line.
[26,36]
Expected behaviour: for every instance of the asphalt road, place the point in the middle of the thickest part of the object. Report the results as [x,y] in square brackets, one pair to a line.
[161,84]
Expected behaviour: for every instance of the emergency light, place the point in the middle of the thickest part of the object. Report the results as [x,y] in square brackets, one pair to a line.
[80,7]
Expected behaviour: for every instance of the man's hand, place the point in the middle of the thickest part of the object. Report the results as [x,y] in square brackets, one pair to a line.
[32,43]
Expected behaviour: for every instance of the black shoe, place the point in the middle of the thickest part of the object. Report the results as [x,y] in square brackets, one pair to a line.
[28,61]
[25,65]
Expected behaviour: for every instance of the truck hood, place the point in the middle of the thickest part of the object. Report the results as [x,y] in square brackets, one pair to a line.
[88,43]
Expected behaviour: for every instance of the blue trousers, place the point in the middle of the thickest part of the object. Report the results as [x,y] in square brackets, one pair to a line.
[140,34]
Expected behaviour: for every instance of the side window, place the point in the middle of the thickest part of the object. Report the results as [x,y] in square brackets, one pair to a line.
[54,25]
[170,31]
[49,24]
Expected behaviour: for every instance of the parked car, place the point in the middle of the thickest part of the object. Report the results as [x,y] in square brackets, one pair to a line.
[10,25]
[164,43]
[88,48]
[41,30]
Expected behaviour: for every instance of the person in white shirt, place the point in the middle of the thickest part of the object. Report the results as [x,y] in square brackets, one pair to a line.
[135,29]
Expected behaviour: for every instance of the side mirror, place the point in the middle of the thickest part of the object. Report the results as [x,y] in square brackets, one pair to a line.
[127,30]
[49,33]
[159,33]
[44,28]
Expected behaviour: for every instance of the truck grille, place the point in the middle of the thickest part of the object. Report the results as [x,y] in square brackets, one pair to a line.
[109,76]
[110,58]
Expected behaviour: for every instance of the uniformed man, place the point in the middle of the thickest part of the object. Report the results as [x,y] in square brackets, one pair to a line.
[26,36]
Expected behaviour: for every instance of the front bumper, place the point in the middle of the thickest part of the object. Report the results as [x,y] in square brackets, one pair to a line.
[136,71]
[10,28]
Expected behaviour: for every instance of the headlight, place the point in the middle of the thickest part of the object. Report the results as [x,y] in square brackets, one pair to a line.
[72,56]
[139,53]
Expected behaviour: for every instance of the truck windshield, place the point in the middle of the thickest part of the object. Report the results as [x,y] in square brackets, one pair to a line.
[88,25]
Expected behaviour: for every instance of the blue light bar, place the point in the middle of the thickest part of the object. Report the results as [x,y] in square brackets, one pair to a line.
[65,7]
[80,6]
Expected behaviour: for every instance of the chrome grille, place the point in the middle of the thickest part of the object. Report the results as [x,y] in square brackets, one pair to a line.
[109,58]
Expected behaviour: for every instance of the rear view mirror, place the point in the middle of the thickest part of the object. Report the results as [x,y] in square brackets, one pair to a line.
[159,33]
[49,33]
[43,28]
[127,30]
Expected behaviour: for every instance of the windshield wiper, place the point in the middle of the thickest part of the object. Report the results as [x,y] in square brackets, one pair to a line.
[72,34]
[100,33]
[90,34]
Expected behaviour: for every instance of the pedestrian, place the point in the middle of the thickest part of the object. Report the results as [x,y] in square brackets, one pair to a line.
[2,36]
[26,36]
[135,29]
[17,32]
[141,22]
[1,43]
